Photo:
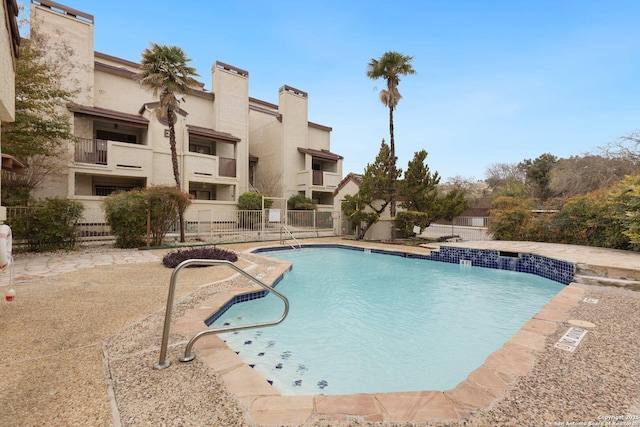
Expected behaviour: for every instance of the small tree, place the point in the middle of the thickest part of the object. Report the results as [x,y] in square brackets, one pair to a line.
[164,204]
[38,135]
[364,209]
[452,205]
[420,186]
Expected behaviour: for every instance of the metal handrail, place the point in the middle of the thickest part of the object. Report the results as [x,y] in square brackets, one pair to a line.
[284,227]
[188,355]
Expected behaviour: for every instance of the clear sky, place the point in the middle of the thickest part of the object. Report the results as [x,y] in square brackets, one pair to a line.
[497,81]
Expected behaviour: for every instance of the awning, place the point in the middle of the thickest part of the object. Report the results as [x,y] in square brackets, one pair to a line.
[321,154]
[11,164]
[110,115]
[212,134]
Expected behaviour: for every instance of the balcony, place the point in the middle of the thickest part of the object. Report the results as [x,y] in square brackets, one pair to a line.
[318,180]
[208,168]
[113,155]
[92,151]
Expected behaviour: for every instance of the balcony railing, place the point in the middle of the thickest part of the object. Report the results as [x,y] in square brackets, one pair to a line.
[227,167]
[317,178]
[93,151]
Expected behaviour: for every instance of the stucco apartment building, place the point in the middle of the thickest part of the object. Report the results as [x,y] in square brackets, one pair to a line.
[227,142]
[9,42]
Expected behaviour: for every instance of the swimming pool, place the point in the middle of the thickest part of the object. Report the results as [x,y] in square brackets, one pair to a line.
[367,322]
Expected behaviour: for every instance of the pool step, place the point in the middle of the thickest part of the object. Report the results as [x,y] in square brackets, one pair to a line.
[632,285]
[628,278]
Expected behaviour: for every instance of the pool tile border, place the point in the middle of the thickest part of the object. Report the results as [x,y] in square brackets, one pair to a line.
[480,390]
[540,265]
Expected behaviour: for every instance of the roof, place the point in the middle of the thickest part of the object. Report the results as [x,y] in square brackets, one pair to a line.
[351,177]
[320,154]
[212,134]
[110,115]
[11,164]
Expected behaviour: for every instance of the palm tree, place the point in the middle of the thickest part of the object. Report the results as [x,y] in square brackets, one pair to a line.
[164,70]
[390,67]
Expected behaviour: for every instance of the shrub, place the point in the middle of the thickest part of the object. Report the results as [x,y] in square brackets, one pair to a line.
[166,202]
[126,213]
[406,220]
[174,258]
[51,225]
[509,218]
[301,203]
[253,202]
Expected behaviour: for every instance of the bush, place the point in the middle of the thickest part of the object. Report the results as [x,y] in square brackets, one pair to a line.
[50,226]
[509,218]
[174,258]
[406,220]
[126,213]
[301,203]
[253,202]
[166,203]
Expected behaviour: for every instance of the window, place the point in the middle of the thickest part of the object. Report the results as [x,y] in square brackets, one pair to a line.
[202,146]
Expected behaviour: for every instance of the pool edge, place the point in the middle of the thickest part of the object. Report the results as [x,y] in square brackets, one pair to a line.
[482,388]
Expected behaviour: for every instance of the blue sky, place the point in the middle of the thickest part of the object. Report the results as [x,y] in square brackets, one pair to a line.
[497,81]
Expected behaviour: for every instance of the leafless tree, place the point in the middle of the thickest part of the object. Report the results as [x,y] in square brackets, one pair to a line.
[269,183]
[590,172]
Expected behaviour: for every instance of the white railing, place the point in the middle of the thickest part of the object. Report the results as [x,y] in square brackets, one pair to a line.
[211,225]
[437,231]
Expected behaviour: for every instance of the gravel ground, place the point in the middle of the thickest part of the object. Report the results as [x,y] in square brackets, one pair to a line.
[599,379]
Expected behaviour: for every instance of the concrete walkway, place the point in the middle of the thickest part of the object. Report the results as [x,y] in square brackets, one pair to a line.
[33,265]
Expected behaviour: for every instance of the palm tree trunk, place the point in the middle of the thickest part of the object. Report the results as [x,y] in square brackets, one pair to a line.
[392,176]
[172,145]
[176,168]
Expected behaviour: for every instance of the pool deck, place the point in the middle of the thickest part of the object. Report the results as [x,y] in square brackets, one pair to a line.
[102,315]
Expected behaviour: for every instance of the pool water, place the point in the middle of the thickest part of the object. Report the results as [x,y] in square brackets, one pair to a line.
[368,323]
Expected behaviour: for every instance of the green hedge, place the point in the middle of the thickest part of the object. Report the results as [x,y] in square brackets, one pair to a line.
[50,225]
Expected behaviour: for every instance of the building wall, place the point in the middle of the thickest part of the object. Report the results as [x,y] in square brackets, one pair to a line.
[71,36]
[265,134]
[8,8]
[271,132]
[7,70]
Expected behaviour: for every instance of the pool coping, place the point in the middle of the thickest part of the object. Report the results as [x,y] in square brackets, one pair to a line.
[482,388]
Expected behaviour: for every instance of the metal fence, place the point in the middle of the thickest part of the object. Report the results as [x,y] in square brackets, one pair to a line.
[437,231]
[211,225]
[247,225]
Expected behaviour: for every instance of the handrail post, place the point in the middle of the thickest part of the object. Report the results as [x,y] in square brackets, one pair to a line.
[188,356]
[163,362]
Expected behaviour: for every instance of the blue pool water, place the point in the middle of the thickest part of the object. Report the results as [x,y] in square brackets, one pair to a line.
[368,323]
